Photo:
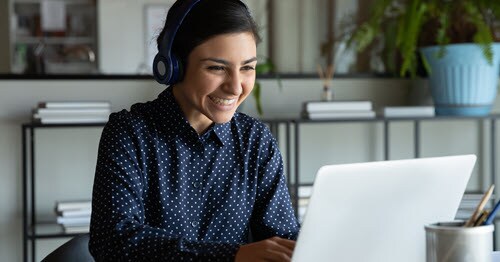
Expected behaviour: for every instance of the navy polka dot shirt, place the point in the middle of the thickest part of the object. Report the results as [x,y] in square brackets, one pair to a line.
[164,193]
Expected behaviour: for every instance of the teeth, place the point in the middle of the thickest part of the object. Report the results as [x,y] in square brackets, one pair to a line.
[222,101]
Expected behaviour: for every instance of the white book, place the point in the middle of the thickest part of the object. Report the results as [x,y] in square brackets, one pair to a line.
[72,111]
[305,191]
[74,104]
[72,120]
[75,212]
[341,115]
[321,106]
[80,221]
[409,111]
[73,205]
[76,229]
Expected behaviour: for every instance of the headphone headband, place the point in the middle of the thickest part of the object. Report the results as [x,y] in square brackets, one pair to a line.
[166,66]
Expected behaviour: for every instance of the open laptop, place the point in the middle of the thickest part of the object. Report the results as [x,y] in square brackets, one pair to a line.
[376,211]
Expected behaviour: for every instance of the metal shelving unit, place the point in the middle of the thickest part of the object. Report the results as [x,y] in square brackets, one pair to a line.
[32,230]
[386,122]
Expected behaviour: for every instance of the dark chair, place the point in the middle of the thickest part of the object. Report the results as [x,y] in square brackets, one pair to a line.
[75,250]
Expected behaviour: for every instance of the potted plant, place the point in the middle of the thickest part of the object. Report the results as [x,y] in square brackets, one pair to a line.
[454,41]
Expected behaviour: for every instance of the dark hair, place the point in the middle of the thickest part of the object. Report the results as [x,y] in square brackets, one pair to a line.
[207,19]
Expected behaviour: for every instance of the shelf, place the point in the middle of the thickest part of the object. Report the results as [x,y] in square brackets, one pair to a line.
[49,230]
[66,1]
[381,118]
[39,125]
[55,40]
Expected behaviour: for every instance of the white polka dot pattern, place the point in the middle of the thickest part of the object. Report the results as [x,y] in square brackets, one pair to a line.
[164,193]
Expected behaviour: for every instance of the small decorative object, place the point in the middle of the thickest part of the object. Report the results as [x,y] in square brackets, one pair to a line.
[326,77]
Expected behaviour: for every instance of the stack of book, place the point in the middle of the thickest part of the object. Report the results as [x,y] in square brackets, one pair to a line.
[66,112]
[408,111]
[74,216]
[305,192]
[322,110]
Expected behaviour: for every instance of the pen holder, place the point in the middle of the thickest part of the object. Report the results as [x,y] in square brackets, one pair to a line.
[452,242]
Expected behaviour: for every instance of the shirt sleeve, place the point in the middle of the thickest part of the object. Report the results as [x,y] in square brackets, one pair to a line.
[273,213]
[118,231]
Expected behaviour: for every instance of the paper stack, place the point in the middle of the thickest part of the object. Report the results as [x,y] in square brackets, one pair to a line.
[66,112]
[319,110]
[74,216]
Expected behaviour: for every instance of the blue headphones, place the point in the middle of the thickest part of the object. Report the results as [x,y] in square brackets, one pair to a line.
[167,68]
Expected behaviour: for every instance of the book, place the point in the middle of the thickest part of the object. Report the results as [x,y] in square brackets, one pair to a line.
[76,229]
[340,115]
[85,220]
[75,212]
[73,205]
[71,120]
[305,191]
[321,106]
[74,104]
[408,111]
[42,112]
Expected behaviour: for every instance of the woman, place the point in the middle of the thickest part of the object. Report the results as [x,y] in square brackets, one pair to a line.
[185,177]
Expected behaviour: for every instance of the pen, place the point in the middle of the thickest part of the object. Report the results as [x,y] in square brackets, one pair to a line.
[492,214]
[480,207]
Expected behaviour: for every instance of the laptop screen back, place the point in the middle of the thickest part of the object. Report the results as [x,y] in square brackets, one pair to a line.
[376,211]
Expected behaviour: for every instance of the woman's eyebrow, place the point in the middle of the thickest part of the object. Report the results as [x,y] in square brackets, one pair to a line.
[224,62]
[249,60]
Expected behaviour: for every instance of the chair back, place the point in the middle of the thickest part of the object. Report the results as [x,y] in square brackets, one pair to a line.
[75,250]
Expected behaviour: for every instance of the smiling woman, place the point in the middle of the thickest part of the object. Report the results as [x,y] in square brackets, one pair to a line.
[186,177]
[220,75]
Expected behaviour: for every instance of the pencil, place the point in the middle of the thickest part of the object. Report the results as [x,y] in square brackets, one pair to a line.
[480,220]
[480,207]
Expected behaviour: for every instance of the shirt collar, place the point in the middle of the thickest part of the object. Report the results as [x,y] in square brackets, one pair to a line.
[223,132]
[174,122]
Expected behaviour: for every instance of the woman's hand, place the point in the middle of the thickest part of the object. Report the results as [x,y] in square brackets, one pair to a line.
[271,249]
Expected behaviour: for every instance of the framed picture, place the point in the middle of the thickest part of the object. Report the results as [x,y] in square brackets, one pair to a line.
[154,19]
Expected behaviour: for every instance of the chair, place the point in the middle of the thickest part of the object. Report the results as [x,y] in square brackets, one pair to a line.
[75,250]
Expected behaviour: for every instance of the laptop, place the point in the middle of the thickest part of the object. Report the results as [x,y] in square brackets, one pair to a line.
[376,211]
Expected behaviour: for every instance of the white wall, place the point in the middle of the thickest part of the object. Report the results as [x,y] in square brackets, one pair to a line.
[122,38]
[66,153]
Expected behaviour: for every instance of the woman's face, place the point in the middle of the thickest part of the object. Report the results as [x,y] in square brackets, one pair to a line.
[220,74]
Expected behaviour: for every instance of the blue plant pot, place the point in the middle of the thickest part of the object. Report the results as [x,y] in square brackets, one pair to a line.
[463,82]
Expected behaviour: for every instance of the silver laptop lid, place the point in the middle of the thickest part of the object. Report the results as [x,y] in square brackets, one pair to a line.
[376,211]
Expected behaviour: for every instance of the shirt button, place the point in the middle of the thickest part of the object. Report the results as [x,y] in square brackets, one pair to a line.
[196,184]
[194,224]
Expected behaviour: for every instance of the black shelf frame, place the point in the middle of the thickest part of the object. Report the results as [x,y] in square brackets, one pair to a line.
[292,168]
[30,223]
[492,119]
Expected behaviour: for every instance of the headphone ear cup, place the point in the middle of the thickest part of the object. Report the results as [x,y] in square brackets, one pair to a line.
[177,70]
[162,69]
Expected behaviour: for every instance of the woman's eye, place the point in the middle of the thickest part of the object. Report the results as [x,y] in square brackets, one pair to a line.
[248,68]
[216,68]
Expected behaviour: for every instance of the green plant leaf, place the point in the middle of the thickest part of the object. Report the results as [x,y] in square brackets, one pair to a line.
[483,35]
[256,95]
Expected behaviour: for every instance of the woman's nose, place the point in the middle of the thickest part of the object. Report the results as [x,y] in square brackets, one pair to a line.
[233,83]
